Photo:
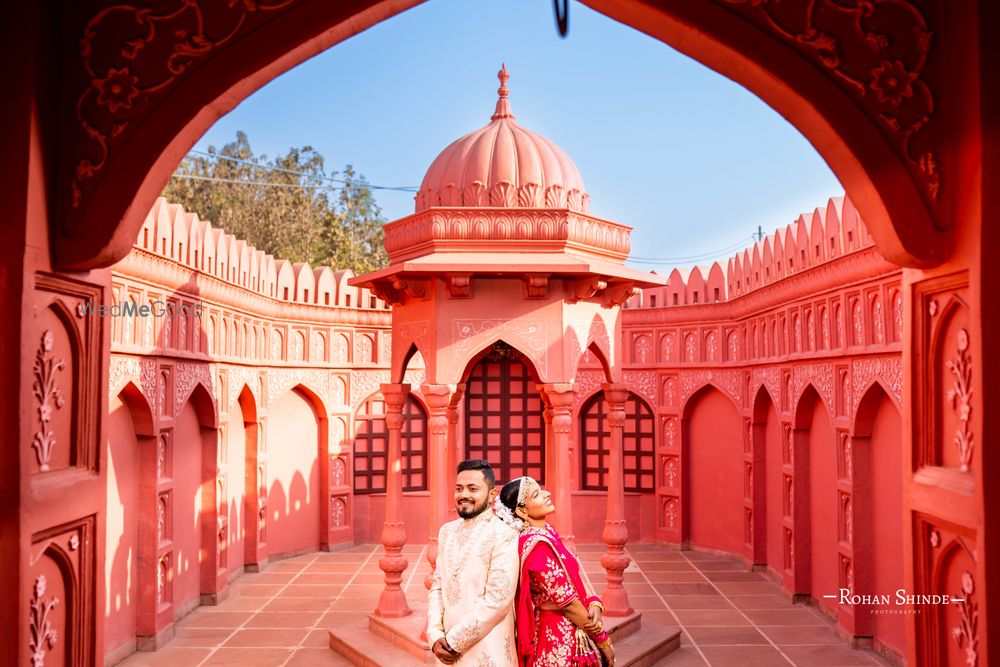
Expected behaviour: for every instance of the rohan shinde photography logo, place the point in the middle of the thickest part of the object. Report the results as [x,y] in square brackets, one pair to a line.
[898,602]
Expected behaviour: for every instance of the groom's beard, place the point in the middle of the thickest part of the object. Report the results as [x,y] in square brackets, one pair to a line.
[466,513]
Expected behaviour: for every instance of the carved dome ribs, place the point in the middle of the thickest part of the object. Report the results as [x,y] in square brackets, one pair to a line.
[503,165]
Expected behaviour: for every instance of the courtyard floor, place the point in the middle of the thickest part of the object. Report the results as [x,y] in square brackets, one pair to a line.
[728,616]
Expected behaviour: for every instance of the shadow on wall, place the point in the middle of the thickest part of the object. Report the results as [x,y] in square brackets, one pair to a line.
[178,511]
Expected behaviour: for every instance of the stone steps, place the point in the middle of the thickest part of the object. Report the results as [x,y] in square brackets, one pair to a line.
[395,642]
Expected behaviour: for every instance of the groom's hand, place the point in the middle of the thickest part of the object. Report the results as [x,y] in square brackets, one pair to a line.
[443,652]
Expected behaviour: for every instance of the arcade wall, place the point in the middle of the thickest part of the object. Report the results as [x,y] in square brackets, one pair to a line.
[770,389]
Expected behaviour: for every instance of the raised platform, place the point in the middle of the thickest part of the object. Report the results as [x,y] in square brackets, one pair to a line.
[395,642]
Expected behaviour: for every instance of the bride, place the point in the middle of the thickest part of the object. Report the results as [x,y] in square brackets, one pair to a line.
[557,623]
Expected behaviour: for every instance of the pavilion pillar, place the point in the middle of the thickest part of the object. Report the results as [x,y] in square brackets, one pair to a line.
[558,399]
[454,447]
[439,399]
[392,602]
[615,560]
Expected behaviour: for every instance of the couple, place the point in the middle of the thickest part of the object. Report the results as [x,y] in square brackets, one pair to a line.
[502,562]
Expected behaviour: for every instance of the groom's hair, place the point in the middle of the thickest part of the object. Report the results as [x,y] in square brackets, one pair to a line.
[481,465]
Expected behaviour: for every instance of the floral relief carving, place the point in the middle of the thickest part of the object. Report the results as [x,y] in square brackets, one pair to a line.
[587,381]
[43,635]
[125,77]
[960,397]
[643,383]
[670,514]
[671,471]
[821,377]
[965,634]
[527,336]
[188,375]
[338,512]
[888,369]
[365,383]
[667,347]
[878,63]
[642,348]
[49,398]
[771,379]
[711,346]
[859,334]
[728,380]
[671,429]
[281,380]
[364,355]
[690,348]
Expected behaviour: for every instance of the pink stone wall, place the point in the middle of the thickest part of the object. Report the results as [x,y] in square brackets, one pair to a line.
[236,476]
[293,500]
[715,474]
[823,517]
[186,508]
[121,553]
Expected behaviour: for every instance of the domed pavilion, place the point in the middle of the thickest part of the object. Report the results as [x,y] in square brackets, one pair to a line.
[500,264]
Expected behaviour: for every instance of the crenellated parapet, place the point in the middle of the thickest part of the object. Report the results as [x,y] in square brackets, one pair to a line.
[813,239]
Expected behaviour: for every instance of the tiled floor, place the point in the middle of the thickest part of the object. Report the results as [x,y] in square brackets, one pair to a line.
[729,616]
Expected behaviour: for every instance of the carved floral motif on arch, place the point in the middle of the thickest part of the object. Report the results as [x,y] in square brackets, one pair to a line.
[132,57]
[186,376]
[876,53]
[587,382]
[280,380]
[770,378]
[239,377]
[527,336]
[364,383]
[416,333]
[140,371]
[643,383]
[726,379]
[820,376]
[864,371]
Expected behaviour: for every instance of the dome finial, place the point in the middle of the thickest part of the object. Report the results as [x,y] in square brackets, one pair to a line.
[503,109]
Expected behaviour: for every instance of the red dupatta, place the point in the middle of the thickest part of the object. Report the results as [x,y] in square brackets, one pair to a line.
[524,606]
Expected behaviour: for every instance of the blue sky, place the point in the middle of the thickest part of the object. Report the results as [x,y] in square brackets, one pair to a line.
[691,160]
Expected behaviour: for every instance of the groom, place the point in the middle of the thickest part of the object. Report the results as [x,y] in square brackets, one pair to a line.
[470,616]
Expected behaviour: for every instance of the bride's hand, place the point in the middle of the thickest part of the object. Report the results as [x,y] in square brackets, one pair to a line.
[596,622]
[609,654]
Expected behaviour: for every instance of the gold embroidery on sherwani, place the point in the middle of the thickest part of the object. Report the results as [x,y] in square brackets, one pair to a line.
[472,591]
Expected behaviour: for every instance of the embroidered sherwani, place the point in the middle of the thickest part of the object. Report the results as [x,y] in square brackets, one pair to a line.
[470,602]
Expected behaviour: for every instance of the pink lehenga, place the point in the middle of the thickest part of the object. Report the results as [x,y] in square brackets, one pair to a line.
[550,576]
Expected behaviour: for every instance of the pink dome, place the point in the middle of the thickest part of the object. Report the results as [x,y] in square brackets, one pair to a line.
[503,165]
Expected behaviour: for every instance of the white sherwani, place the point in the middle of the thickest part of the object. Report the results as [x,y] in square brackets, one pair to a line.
[471,598]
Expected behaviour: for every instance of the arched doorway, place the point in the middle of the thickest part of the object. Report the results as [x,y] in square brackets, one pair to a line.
[294,425]
[638,445]
[814,430]
[768,463]
[876,448]
[503,415]
[712,445]
[130,446]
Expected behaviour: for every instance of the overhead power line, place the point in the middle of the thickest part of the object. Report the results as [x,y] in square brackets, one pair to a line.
[281,170]
[722,252]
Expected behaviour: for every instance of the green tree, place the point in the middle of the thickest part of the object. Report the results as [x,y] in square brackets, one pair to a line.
[287,206]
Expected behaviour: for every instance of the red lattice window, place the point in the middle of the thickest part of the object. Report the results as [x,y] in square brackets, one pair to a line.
[503,416]
[371,446]
[637,443]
